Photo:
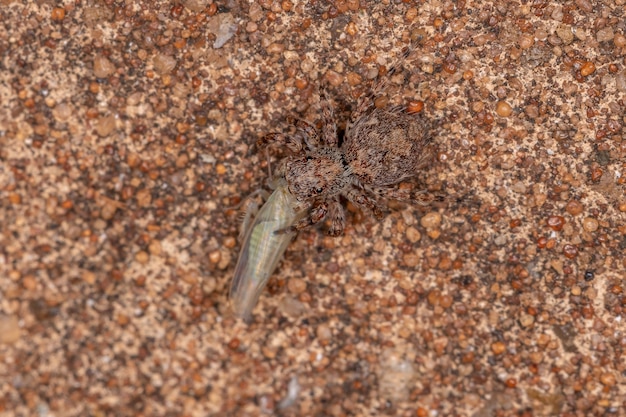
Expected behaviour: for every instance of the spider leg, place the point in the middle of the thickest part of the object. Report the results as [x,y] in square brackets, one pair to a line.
[329,128]
[389,193]
[250,210]
[292,142]
[316,214]
[337,218]
[362,200]
[366,102]
[307,134]
[279,172]
[421,197]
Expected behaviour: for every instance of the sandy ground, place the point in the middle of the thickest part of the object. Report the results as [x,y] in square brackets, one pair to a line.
[127,134]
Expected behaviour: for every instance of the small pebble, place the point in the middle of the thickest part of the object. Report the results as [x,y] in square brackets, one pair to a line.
[410,259]
[446,301]
[323,332]
[413,235]
[503,109]
[62,112]
[584,5]
[164,64]
[224,26]
[99,224]
[142,257]
[155,248]
[335,79]
[434,233]
[526,41]
[608,379]
[144,198]
[102,67]
[590,224]
[234,344]
[353,78]
[574,207]
[526,320]
[498,348]
[588,68]
[556,223]
[220,169]
[57,14]
[564,32]
[89,277]
[105,125]
[269,352]
[411,14]
[428,68]
[296,285]
[519,187]
[108,210]
[606,34]
[351,29]
[434,297]
[536,357]
[182,160]
[275,48]
[431,220]
[570,251]
[14,275]
[196,295]
[224,260]
[286,5]
[9,330]
[291,307]
[195,5]
[532,111]
[230,242]
[620,81]
[123,319]
[15,198]
[415,106]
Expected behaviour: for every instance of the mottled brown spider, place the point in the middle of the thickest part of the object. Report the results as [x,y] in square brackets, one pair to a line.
[381,147]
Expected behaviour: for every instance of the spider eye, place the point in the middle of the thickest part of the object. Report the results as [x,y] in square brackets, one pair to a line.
[319,190]
[308,158]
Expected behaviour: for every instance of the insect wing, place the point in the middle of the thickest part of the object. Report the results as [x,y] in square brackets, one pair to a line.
[261,250]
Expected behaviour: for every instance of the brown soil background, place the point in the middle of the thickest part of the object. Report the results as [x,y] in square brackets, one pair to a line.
[126,138]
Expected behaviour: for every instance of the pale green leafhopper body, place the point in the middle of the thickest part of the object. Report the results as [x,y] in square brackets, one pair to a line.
[262,248]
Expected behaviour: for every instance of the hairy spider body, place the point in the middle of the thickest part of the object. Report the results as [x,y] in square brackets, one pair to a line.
[386,147]
[381,148]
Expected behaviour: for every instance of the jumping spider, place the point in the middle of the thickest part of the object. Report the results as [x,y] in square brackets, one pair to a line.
[381,147]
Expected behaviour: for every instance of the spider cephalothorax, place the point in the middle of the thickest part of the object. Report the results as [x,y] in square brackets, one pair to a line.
[317,174]
[381,148]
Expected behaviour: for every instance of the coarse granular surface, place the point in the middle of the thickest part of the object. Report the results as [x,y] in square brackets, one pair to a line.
[127,134]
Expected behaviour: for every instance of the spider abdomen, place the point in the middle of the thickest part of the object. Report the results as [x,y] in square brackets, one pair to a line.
[386,147]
